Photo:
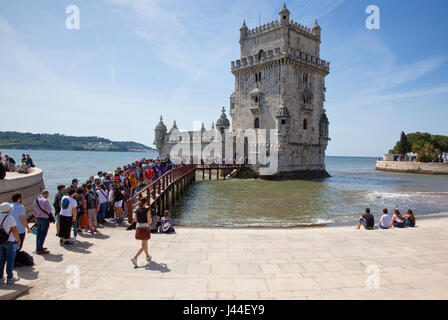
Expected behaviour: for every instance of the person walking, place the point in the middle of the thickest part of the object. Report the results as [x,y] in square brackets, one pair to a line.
[9,237]
[142,218]
[93,206]
[18,212]
[42,212]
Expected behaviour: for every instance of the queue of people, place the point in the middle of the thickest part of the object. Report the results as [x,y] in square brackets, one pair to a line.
[82,208]
[367,220]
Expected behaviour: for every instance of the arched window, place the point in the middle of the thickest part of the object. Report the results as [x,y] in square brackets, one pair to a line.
[304,124]
[305,77]
[259,54]
[257,123]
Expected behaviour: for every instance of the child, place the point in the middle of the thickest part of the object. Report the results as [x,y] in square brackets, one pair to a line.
[166,223]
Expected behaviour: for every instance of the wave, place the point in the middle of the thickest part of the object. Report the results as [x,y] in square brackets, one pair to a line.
[375,195]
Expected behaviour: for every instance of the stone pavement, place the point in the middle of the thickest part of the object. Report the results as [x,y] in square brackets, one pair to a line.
[305,263]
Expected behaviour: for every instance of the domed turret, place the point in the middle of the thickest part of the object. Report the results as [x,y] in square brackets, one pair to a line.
[223,123]
[244,31]
[284,15]
[160,133]
[316,29]
[174,127]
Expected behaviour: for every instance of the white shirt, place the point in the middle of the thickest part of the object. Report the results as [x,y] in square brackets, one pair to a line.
[111,195]
[8,224]
[67,205]
[385,220]
[102,195]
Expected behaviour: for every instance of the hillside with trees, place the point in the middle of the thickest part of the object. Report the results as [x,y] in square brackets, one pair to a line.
[429,148]
[18,140]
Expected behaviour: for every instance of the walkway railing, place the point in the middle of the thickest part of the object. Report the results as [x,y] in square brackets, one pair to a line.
[175,182]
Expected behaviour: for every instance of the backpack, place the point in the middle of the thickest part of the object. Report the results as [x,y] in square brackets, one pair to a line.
[166,225]
[23,259]
[3,234]
[91,200]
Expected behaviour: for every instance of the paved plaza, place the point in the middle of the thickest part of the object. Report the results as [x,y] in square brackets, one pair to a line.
[301,263]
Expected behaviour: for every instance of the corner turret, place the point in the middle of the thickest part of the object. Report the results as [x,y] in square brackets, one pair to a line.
[160,134]
[284,15]
[223,123]
[244,31]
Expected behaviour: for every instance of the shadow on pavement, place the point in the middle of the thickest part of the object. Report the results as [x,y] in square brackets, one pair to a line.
[154,266]
[27,273]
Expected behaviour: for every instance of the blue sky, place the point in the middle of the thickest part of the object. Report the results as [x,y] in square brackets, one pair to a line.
[133,60]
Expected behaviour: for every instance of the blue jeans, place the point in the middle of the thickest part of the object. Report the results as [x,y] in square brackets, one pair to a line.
[75,229]
[42,229]
[7,256]
[102,213]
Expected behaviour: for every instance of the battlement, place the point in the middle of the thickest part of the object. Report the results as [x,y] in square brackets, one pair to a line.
[271,55]
[274,25]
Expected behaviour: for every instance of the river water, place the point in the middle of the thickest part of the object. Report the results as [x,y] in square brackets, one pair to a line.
[354,185]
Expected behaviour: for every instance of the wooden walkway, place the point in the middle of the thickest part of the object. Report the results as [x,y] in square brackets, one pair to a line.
[163,192]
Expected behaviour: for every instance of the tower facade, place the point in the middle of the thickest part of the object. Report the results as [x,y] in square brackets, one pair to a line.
[280,84]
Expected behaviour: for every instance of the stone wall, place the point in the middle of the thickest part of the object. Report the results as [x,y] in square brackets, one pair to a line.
[29,185]
[413,167]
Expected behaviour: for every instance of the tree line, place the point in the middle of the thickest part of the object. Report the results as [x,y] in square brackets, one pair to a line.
[428,147]
[19,140]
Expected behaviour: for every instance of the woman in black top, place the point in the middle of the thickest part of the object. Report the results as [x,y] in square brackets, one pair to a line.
[142,217]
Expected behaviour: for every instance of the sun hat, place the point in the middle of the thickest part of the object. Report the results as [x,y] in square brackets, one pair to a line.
[5,207]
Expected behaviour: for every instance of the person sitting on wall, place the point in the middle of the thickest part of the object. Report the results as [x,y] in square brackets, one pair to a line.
[367,220]
[2,169]
[23,168]
[409,219]
[385,220]
[397,220]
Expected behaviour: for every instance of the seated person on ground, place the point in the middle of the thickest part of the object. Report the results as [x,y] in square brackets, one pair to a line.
[367,220]
[385,220]
[155,221]
[397,220]
[409,219]
[166,223]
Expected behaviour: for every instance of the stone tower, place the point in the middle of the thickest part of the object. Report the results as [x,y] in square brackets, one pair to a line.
[280,84]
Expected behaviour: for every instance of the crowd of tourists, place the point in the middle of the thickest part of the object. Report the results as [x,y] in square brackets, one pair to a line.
[396,220]
[8,164]
[83,208]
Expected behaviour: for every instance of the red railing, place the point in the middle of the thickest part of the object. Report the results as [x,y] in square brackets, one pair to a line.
[158,186]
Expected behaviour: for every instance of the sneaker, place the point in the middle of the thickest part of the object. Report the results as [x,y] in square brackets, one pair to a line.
[80,231]
[67,243]
[134,262]
[92,231]
[12,280]
[148,258]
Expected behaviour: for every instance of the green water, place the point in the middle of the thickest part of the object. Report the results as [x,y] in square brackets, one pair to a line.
[353,186]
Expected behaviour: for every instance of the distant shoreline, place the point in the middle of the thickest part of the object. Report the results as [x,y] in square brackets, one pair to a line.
[45,149]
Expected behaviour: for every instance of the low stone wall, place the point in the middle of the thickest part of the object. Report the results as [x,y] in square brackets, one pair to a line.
[413,167]
[29,185]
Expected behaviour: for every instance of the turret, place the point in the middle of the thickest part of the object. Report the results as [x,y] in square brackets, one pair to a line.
[160,134]
[223,123]
[316,29]
[284,15]
[173,128]
[244,30]
[283,121]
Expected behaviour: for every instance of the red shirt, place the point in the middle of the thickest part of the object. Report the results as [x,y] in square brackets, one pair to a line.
[149,173]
